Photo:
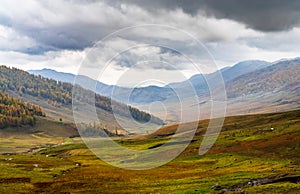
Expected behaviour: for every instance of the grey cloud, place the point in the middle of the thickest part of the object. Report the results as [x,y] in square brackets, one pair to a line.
[75,25]
[151,57]
[61,24]
[263,15]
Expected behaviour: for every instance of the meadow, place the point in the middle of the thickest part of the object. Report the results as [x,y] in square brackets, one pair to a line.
[253,154]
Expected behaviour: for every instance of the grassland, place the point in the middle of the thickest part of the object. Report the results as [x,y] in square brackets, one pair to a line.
[45,133]
[253,154]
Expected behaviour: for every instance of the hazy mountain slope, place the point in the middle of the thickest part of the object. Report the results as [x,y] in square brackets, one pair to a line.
[89,83]
[154,93]
[282,76]
[243,68]
[252,87]
[135,95]
[199,81]
[52,74]
[270,89]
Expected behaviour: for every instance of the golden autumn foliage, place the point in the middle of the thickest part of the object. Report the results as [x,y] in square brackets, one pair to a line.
[15,112]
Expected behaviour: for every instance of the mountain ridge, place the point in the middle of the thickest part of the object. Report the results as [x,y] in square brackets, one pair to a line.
[48,92]
[150,94]
[282,94]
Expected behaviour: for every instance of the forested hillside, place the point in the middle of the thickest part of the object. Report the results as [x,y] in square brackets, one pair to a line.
[15,112]
[59,93]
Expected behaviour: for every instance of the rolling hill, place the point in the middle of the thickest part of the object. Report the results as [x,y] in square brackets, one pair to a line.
[253,154]
[56,97]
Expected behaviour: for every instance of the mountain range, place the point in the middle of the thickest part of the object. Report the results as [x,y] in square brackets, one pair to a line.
[150,94]
[275,84]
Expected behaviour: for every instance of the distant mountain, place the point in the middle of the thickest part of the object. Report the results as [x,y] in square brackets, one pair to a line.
[269,87]
[199,81]
[123,94]
[243,68]
[283,75]
[154,93]
[252,87]
[52,74]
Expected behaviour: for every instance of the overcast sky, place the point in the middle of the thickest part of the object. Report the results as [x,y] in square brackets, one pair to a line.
[58,34]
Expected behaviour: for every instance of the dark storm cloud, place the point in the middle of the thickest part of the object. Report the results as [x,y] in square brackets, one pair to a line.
[263,15]
[77,24]
[59,25]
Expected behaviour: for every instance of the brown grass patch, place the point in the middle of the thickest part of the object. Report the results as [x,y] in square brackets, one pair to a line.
[15,180]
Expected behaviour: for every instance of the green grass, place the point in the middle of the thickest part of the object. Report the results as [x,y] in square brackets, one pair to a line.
[245,150]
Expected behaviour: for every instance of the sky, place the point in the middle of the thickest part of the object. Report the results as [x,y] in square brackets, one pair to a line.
[60,34]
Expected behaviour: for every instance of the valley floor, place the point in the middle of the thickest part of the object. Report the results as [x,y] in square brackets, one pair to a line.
[253,154]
